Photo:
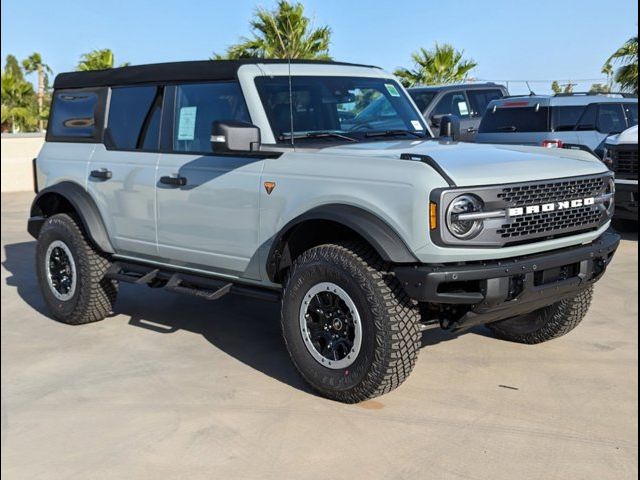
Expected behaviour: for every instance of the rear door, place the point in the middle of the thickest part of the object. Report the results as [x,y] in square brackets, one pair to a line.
[122,171]
[478,100]
[212,219]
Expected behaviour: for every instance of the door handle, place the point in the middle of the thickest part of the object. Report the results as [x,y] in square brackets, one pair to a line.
[174,181]
[472,130]
[102,174]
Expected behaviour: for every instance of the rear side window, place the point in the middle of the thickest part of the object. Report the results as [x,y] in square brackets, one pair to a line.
[134,118]
[198,106]
[631,111]
[611,118]
[422,99]
[454,103]
[479,100]
[564,119]
[528,119]
[74,116]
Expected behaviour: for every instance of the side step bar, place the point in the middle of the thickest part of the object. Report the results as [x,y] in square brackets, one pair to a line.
[199,286]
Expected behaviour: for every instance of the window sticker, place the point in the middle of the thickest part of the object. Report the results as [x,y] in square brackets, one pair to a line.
[416,124]
[187,123]
[391,88]
[462,106]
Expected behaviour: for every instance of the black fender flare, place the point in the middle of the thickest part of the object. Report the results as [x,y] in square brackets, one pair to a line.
[383,238]
[84,206]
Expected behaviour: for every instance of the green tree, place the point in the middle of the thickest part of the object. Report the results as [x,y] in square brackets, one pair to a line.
[101,59]
[607,69]
[443,64]
[627,73]
[284,32]
[13,68]
[555,87]
[35,64]
[19,112]
[599,88]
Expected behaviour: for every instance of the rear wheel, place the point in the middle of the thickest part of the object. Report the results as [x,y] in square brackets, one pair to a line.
[71,273]
[350,329]
[546,323]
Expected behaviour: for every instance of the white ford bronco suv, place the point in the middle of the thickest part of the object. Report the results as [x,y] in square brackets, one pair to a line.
[278,180]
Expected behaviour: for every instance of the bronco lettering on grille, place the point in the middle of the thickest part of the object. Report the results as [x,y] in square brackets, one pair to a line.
[551,207]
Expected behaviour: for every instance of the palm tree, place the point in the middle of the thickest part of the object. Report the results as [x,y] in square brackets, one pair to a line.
[443,64]
[101,59]
[282,33]
[35,64]
[17,103]
[627,74]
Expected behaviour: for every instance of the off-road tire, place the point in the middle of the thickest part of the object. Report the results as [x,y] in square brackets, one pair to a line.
[547,323]
[94,294]
[390,322]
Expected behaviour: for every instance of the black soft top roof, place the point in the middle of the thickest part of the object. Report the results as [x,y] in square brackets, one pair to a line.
[169,72]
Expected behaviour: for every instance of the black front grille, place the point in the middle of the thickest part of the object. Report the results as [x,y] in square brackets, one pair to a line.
[553,191]
[551,223]
[536,211]
[625,162]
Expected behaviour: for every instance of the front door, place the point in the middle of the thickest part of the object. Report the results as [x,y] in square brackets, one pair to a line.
[455,103]
[122,171]
[208,212]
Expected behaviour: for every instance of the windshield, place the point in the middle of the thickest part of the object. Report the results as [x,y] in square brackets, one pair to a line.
[352,107]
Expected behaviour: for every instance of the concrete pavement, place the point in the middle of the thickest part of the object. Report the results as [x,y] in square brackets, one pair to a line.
[174,387]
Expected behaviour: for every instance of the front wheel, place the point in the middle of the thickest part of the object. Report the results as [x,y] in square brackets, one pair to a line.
[546,323]
[350,329]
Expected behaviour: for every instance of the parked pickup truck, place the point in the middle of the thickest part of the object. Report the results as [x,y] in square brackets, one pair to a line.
[256,178]
[621,156]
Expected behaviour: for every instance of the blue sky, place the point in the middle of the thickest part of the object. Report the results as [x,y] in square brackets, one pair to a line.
[510,40]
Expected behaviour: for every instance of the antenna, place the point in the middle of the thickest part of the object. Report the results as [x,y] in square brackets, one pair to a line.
[288,53]
[531,93]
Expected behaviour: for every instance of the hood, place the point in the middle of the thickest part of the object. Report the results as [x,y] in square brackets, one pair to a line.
[630,135]
[469,164]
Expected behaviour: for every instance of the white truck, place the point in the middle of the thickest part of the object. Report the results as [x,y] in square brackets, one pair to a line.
[274,179]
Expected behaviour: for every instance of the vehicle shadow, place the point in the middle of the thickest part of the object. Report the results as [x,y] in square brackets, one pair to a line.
[19,262]
[627,229]
[244,328]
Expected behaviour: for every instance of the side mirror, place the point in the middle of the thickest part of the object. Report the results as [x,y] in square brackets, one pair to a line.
[450,127]
[232,136]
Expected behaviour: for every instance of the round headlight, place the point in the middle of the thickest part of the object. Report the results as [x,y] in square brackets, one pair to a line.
[464,229]
[610,204]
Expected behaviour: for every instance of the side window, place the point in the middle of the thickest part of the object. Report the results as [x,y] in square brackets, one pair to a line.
[631,112]
[453,103]
[74,115]
[611,118]
[422,99]
[588,119]
[134,118]
[479,99]
[564,119]
[198,106]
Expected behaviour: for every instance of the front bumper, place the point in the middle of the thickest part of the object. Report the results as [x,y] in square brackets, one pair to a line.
[495,290]
[626,199]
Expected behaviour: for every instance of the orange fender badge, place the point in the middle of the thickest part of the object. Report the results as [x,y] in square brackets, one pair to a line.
[269,186]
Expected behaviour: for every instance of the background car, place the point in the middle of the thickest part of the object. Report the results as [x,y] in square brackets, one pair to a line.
[621,156]
[467,101]
[578,120]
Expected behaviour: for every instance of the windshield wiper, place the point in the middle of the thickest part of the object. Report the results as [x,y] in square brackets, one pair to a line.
[391,133]
[323,134]
[507,128]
